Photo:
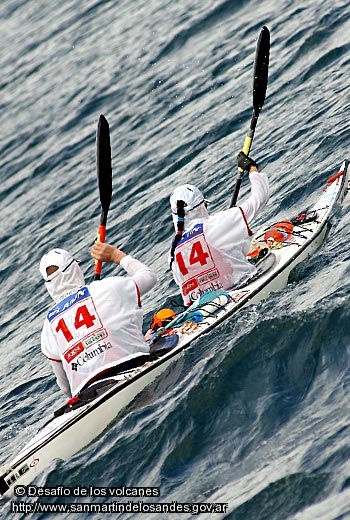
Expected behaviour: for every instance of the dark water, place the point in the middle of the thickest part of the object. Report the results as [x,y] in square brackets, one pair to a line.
[256,414]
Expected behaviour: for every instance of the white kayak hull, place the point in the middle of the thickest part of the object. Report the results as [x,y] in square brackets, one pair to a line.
[70,432]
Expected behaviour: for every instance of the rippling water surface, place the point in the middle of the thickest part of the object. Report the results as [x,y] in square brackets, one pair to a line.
[256,413]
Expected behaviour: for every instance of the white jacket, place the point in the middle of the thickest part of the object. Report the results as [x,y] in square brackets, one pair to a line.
[212,252]
[96,326]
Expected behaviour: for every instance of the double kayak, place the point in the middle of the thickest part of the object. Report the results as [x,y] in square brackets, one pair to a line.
[281,246]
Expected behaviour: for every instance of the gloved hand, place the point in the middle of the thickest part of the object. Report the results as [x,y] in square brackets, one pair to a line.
[245,162]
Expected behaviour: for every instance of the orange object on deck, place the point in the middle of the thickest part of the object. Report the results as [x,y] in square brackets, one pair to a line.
[280,232]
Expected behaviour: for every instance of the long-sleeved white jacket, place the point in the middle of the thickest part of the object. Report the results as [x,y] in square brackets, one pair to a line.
[212,252]
[95,326]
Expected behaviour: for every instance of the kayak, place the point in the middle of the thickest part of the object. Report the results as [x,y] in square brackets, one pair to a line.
[282,246]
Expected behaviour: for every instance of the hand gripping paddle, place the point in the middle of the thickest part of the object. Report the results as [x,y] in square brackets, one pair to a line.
[261,71]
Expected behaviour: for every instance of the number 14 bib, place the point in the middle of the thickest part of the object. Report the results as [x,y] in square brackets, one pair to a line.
[76,324]
[194,261]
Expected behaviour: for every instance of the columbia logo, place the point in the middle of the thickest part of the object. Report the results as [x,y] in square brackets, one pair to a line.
[75,366]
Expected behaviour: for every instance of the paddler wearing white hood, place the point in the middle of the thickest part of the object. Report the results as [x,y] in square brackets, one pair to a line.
[209,251]
[94,330]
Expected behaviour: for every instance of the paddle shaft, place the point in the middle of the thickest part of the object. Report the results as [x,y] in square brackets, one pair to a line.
[246,149]
[260,80]
[104,181]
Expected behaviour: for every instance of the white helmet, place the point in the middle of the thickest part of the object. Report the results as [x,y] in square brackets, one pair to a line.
[191,196]
[56,257]
[66,278]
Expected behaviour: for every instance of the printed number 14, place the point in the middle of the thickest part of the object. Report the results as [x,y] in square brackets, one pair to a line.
[197,255]
[82,317]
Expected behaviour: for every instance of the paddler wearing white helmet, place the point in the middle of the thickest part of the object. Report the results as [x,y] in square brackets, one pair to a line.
[209,252]
[94,330]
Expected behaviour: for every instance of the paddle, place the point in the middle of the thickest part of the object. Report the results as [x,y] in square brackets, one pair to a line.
[104,181]
[261,69]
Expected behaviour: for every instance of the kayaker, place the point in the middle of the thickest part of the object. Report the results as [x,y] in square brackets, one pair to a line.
[209,252]
[94,330]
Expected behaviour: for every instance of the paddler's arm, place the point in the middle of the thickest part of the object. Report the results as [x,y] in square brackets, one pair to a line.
[143,276]
[259,187]
[49,349]
[61,377]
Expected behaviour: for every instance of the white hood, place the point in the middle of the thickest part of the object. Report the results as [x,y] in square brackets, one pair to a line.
[195,205]
[192,217]
[66,283]
[66,279]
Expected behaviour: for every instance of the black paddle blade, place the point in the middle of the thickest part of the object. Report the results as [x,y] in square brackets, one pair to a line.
[261,70]
[104,165]
[260,79]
